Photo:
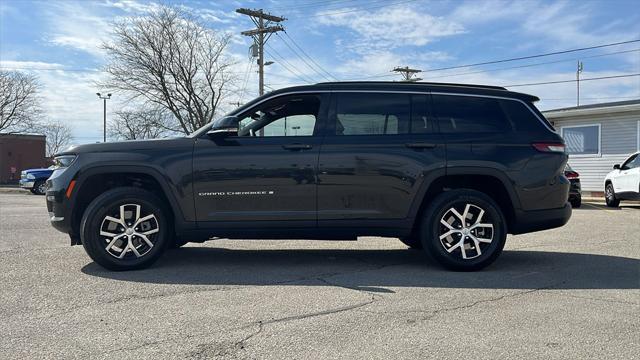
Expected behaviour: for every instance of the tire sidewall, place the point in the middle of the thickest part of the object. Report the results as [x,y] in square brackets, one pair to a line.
[99,208]
[430,235]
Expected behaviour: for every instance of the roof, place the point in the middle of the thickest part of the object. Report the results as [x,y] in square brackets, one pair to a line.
[592,109]
[22,136]
[486,90]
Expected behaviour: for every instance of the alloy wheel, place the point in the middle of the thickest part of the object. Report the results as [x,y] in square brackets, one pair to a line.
[465,230]
[129,232]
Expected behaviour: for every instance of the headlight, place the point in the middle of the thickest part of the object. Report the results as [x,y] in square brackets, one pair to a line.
[30,176]
[63,161]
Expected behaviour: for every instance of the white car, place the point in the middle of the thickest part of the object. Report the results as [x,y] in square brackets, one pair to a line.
[623,183]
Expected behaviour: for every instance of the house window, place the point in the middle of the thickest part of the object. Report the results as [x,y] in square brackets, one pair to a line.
[582,140]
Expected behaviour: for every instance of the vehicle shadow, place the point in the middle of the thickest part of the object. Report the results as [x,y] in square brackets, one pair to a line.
[374,269]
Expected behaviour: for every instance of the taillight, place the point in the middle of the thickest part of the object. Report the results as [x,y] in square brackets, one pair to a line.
[549,147]
[571,174]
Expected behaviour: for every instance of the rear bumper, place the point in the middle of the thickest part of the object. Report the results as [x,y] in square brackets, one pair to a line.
[536,220]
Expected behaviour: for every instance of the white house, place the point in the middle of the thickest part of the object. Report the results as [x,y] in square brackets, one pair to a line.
[597,137]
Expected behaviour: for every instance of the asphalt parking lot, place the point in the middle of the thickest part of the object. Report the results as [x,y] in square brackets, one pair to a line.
[566,293]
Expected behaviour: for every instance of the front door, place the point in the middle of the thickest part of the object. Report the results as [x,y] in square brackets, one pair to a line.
[265,172]
[627,179]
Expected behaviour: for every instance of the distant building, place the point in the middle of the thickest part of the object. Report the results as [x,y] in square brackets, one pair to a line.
[597,137]
[19,152]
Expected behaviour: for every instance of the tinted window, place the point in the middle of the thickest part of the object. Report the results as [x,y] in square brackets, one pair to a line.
[520,116]
[632,163]
[285,116]
[372,114]
[469,114]
[582,140]
[420,121]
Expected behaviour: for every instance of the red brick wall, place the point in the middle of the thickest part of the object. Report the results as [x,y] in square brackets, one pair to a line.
[20,152]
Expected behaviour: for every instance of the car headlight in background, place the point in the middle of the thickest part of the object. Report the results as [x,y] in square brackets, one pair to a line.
[63,161]
[30,176]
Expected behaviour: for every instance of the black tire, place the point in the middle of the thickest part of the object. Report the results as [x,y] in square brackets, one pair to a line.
[110,203]
[577,202]
[610,196]
[39,188]
[432,229]
[412,241]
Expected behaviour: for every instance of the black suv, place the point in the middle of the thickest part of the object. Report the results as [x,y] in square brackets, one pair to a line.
[445,167]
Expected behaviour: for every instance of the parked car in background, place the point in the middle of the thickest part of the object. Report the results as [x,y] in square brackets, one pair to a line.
[575,192]
[35,179]
[623,182]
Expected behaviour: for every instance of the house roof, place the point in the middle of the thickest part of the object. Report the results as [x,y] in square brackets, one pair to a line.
[593,109]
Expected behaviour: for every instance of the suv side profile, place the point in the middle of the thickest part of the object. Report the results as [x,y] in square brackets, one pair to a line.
[446,167]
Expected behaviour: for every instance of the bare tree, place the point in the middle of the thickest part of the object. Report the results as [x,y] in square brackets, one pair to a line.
[19,104]
[141,124]
[58,136]
[169,59]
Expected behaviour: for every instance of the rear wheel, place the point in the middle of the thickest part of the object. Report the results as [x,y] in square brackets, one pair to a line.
[576,202]
[463,230]
[125,229]
[610,196]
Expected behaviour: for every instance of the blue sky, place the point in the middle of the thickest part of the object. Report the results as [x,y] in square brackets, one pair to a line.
[350,39]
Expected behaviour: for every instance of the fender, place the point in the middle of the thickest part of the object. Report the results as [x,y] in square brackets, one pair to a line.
[155,172]
[441,175]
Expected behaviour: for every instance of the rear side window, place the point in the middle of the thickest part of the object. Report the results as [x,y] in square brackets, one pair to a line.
[520,116]
[382,114]
[372,114]
[468,114]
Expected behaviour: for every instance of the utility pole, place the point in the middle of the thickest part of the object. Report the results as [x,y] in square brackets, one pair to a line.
[407,73]
[104,98]
[578,72]
[260,35]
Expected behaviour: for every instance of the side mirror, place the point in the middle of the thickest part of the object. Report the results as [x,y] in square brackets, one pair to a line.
[223,127]
[616,167]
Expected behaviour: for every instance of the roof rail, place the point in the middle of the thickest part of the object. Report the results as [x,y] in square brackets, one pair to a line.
[399,83]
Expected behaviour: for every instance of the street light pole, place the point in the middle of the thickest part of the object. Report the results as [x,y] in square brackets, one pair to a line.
[104,98]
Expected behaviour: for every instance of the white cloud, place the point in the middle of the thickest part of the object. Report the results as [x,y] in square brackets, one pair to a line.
[393,27]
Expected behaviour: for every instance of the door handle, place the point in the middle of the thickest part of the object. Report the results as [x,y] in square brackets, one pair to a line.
[420,145]
[297,147]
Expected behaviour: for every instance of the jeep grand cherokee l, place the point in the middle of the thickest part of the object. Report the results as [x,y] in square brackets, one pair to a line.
[445,167]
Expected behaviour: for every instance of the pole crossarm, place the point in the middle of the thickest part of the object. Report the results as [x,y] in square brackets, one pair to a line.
[270,29]
[260,14]
[407,73]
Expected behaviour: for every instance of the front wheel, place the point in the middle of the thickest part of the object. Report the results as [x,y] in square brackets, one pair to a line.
[125,229]
[610,196]
[39,188]
[464,230]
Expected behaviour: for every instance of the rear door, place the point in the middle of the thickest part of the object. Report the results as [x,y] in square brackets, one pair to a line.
[377,151]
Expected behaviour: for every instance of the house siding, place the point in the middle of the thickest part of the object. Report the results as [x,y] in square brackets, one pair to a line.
[618,139]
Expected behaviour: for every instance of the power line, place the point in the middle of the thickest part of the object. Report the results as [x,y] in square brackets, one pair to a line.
[533,56]
[307,55]
[303,59]
[535,64]
[574,80]
[287,66]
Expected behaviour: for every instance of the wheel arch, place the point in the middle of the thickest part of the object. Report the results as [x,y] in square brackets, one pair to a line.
[491,182]
[95,180]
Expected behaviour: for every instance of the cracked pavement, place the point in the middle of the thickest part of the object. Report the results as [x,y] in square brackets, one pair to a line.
[566,293]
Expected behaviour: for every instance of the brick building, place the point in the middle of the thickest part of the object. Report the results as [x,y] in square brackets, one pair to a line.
[19,152]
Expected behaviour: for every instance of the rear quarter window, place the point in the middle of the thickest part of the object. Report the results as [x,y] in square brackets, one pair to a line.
[468,114]
[522,118]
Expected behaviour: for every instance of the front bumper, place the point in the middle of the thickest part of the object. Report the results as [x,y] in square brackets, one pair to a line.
[26,183]
[536,220]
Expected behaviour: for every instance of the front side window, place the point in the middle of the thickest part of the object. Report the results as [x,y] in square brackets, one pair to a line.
[284,116]
[468,114]
[631,163]
[582,140]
